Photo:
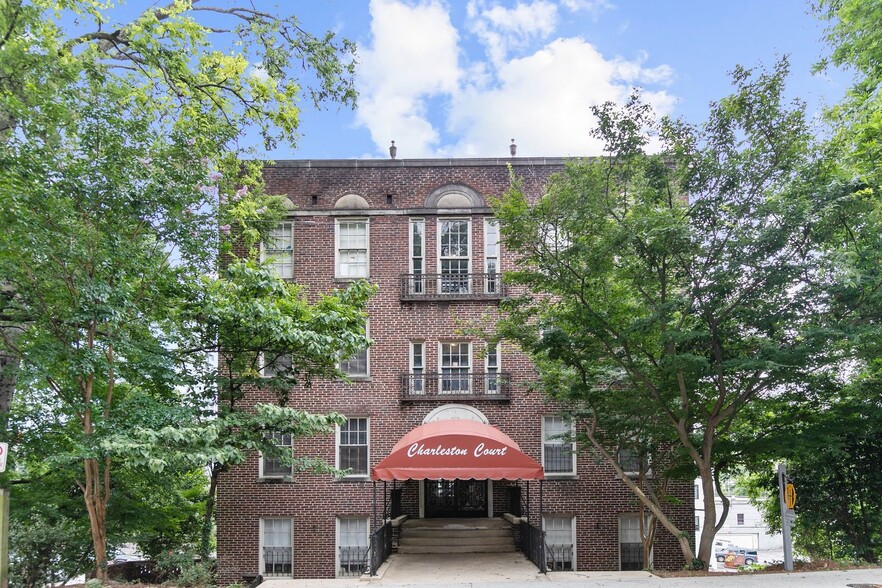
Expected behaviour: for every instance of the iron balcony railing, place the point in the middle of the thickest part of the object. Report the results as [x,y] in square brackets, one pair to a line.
[487,286]
[456,386]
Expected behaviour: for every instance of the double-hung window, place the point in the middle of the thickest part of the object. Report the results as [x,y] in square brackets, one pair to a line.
[630,461]
[417,368]
[273,467]
[454,256]
[630,543]
[559,543]
[352,447]
[417,256]
[491,256]
[275,364]
[277,555]
[358,364]
[557,449]
[279,249]
[352,248]
[491,362]
[353,546]
[456,367]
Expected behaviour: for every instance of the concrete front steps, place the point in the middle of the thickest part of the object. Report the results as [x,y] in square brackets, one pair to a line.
[456,536]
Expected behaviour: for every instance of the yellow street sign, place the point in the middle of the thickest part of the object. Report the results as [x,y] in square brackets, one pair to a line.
[790,495]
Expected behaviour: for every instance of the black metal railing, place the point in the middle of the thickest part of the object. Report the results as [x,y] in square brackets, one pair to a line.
[354,560]
[453,386]
[381,546]
[277,561]
[532,544]
[559,558]
[486,286]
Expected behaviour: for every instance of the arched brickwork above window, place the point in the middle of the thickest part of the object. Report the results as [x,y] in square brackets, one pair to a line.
[454,196]
[351,202]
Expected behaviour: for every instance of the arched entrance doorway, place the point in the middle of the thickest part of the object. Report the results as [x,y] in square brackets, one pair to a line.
[456,498]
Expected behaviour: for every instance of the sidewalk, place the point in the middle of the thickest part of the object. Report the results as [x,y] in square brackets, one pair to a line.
[515,571]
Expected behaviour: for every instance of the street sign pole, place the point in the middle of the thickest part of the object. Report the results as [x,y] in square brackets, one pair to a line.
[787,499]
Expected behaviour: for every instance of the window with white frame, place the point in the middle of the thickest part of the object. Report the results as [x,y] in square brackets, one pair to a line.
[358,364]
[454,255]
[491,365]
[629,461]
[491,256]
[352,446]
[353,546]
[273,467]
[557,450]
[456,365]
[352,248]
[559,543]
[277,554]
[630,543]
[417,255]
[279,249]
[417,367]
[275,364]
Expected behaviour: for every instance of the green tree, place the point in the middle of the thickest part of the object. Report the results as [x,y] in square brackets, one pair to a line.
[833,450]
[664,293]
[119,162]
[50,539]
[856,43]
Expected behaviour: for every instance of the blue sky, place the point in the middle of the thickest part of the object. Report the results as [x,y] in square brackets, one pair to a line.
[460,78]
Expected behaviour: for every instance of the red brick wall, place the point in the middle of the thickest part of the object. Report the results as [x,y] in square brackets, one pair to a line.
[313,502]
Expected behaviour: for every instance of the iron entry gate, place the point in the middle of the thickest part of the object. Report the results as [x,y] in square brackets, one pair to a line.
[456,498]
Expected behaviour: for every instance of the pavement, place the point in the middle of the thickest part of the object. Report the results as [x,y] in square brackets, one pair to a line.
[479,570]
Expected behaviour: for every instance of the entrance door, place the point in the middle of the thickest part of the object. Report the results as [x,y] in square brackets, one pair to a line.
[456,498]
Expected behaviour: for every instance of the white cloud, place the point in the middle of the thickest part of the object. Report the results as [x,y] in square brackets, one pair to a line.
[543,101]
[413,56]
[593,7]
[502,29]
[417,88]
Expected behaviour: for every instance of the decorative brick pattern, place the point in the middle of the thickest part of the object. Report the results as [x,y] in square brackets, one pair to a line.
[396,191]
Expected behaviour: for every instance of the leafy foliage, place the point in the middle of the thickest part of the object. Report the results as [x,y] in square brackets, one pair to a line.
[664,293]
[121,187]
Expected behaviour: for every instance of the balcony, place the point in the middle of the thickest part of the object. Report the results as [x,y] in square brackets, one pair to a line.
[456,386]
[430,287]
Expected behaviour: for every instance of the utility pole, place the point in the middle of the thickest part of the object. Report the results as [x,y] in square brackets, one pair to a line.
[787,500]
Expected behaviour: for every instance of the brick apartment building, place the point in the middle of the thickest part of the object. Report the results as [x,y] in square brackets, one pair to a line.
[422,231]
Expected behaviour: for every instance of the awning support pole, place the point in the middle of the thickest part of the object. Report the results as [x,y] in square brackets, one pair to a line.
[543,568]
[373,531]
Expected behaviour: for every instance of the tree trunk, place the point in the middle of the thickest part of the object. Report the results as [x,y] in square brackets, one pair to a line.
[705,545]
[208,517]
[8,377]
[95,495]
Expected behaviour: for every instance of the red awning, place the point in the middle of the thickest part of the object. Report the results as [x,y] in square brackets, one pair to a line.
[457,450]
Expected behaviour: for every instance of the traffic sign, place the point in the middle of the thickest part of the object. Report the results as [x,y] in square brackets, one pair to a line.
[790,516]
[4,449]
[790,495]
